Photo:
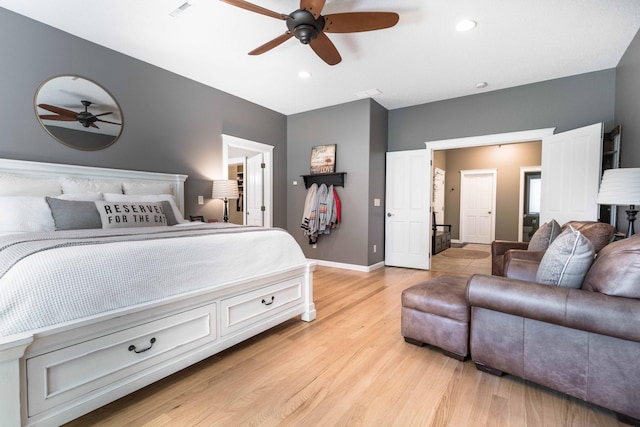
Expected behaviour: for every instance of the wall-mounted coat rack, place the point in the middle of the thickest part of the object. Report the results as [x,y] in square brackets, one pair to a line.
[335,179]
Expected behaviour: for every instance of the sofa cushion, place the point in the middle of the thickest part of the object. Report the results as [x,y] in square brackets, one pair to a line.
[544,235]
[600,234]
[616,270]
[567,260]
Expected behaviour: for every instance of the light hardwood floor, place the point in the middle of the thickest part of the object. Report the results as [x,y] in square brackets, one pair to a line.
[350,367]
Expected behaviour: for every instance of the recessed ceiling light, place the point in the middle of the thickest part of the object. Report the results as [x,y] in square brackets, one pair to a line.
[466,25]
[481,85]
[181,9]
[304,74]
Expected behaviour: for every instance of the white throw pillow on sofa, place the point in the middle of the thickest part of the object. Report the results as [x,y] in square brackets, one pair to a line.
[567,260]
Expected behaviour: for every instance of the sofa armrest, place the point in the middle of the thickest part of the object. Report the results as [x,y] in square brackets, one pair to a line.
[522,264]
[573,308]
[523,254]
[521,269]
[499,247]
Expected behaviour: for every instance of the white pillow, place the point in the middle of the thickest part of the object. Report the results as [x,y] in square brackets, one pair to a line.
[15,185]
[79,185]
[114,197]
[83,197]
[567,260]
[145,188]
[25,213]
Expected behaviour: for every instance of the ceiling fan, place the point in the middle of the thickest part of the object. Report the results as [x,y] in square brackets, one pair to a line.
[309,26]
[85,118]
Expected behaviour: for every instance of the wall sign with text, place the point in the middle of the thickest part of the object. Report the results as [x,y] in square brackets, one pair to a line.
[323,159]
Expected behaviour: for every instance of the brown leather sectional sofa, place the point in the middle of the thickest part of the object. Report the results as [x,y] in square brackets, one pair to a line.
[583,342]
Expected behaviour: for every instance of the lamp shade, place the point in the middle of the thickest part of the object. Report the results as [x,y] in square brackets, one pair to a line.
[620,187]
[225,189]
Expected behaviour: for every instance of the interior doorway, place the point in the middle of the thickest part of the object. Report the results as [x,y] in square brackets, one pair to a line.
[476,141]
[530,198]
[257,184]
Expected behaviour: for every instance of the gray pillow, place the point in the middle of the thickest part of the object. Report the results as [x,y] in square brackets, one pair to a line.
[544,236]
[168,212]
[131,214]
[567,260]
[74,214]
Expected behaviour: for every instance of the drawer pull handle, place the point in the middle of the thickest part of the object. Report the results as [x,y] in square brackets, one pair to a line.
[270,302]
[133,347]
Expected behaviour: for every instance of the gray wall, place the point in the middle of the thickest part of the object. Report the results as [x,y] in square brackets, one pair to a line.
[360,146]
[628,105]
[171,124]
[566,103]
[377,180]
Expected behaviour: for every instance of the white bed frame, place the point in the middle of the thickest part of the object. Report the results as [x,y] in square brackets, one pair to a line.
[58,373]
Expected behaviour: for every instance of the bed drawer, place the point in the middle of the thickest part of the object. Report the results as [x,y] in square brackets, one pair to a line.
[77,371]
[242,310]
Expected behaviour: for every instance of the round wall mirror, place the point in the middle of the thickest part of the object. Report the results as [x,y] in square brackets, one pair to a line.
[78,113]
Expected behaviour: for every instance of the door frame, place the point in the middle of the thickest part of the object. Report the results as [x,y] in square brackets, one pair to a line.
[463,174]
[478,141]
[523,171]
[258,147]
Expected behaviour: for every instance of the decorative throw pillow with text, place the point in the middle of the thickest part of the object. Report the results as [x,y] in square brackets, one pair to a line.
[131,214]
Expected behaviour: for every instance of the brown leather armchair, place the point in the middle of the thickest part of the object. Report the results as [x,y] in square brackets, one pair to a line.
[582,342]
[503,252]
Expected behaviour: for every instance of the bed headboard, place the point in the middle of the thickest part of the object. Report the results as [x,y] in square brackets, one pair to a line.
[31,169]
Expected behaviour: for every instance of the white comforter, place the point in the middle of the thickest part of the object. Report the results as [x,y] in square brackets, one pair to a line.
[64,283]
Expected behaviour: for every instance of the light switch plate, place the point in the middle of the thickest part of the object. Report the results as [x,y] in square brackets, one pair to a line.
[376,202]
[200,200]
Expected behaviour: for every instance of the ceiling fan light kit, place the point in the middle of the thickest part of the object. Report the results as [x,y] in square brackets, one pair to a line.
[309,26]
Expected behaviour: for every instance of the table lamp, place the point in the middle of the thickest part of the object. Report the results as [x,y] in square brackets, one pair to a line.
[621,187]
[225,189]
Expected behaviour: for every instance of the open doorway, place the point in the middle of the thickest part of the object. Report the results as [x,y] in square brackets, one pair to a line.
[257,177]
[530,199]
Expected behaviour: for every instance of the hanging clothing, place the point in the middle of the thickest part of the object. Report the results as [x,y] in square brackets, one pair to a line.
[338,207]
[309,215]
[329,216]
[321,211]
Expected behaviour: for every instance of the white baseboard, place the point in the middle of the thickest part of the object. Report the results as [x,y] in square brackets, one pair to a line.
[362,268]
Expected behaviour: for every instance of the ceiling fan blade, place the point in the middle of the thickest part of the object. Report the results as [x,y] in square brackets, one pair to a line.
[313,6]
[57,117]
[255,8]
[325,49]
[102,114]
[61,111]
[353,22]
[93,125]
[271,44]
[105,121]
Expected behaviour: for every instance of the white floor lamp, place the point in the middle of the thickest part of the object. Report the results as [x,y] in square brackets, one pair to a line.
[225,189]
[621,187]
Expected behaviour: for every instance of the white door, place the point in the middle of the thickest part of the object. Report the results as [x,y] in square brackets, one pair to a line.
[477,206]
[407,209]
[254,188]
[571,163]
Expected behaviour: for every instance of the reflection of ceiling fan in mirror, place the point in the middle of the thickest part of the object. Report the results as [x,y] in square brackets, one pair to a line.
[309,26]
[85,118]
